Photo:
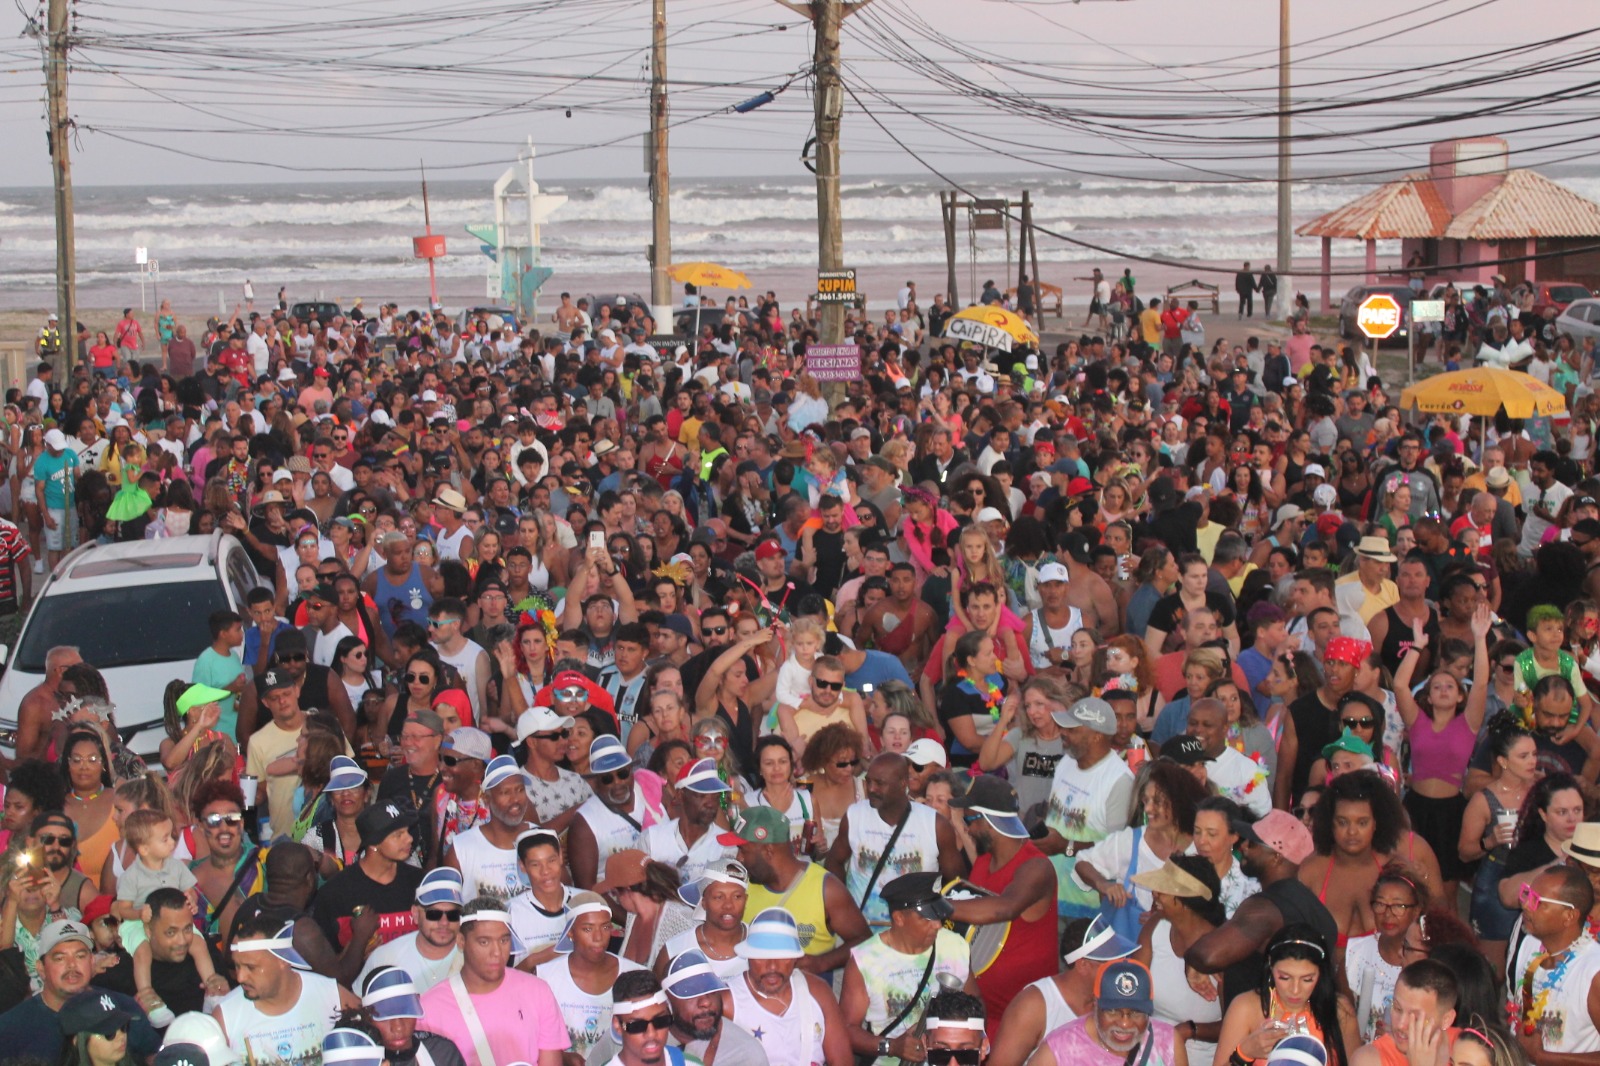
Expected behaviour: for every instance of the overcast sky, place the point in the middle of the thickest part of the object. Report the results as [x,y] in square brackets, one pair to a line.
[298,90]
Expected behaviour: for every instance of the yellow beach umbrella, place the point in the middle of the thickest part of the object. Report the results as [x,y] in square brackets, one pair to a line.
[1483,391]
[990,326]
[708,276]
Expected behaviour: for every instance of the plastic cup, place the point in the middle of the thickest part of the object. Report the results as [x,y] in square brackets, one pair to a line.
[247,785]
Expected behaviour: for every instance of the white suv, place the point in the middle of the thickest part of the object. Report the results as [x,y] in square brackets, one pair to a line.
[139,613]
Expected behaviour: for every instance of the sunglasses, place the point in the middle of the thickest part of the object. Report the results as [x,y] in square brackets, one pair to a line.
[452,760]
[1301,812]
[296,657]
[51,840]
[419,679]
[439,914]
[1508,668]
[834,686]
[1358,723]
[217,821]
[714,631]
[560,734]
[615,775]
[635,1026]
[848,764]
[944,1056]
[1531,900]
[435,623]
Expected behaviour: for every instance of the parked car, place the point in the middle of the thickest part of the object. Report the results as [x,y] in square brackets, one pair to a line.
[684,320]
[322,311]
[1557,294]
[1581,319]
[137,612]
[1402,294]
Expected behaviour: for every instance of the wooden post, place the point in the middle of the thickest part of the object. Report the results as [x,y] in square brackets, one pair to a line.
[60,138]
[949,213]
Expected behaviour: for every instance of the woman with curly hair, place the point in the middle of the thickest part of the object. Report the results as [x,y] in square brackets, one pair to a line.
[832,763]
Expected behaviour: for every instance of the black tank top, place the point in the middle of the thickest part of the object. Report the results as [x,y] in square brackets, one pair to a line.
[1296,904]
[1398,640]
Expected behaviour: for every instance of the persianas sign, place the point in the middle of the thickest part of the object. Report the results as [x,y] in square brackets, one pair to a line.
[1378,316]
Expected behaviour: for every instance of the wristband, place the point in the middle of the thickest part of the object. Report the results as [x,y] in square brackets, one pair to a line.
[1238,1058]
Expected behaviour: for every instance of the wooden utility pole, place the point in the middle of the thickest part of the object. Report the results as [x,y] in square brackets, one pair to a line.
[1285,215]
[1027,232]
[60,137]
[948,211]
[828,100]
[660,174]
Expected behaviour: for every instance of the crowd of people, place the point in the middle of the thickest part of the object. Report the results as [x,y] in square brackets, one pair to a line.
[605,698]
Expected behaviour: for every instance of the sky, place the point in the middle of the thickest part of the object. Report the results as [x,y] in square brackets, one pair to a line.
[182,91]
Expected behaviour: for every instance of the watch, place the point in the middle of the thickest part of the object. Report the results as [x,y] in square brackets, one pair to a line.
[883,1045]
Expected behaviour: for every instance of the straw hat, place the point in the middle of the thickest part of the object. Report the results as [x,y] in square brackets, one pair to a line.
[1375,548]
[450,500]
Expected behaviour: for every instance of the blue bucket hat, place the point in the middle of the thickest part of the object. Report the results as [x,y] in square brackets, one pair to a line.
[389,993]
[690,976]
[772,934]
[606,754]
[344,773]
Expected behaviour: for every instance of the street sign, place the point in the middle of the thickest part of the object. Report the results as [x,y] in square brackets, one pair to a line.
[834,362]
[1378,316]
[836,286]
[1427,310]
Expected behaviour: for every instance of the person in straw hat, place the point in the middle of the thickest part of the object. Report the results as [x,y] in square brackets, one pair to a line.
[455,539]
[1369,590]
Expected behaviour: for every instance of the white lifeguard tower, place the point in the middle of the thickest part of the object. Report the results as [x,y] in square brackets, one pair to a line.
[511,241]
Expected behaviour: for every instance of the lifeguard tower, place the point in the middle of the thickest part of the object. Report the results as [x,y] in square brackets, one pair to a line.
[511,241]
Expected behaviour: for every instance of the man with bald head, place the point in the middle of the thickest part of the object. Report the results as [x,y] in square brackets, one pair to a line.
[862,855]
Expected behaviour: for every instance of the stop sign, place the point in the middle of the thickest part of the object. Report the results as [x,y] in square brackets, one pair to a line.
[1378,316]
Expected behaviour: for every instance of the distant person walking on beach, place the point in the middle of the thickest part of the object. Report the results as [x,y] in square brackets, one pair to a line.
[906,297]
[1099,300]
[283,297]
[1025,298]
[991,295]
[249,295]
[130,338]
[1268,287]
[1244,283]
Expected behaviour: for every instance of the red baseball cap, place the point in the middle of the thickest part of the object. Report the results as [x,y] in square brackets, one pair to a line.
[98,908]
[769,549]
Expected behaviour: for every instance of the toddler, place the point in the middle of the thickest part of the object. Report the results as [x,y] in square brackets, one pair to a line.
[150,834]
[794,676]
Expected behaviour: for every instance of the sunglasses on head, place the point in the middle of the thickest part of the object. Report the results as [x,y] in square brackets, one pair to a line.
[834,686]
[439,914]
[615,775]
[217,821]
[944,1056]
[635,1026]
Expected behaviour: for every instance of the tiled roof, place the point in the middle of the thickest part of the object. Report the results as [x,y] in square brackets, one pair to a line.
[1525,204]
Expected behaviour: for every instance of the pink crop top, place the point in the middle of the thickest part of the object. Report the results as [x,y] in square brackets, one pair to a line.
[1441,754]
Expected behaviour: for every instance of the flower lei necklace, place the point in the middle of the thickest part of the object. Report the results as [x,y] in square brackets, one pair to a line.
[987,687]
[1534,1004]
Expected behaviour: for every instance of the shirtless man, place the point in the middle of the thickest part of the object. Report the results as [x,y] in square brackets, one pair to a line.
[1357,829]
[886,622]
[1087,590]
[34,714]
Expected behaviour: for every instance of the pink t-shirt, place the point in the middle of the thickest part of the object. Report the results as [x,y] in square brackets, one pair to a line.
[521,1018]
[1072,1043]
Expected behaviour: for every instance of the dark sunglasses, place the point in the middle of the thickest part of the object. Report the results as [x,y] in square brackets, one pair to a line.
[615,775]
[560,734]
[417,679]
[1301,812]
[439,914]
[944,1056]
[848,764]
[714,631]
[1508,668]
[833,685]
[217,821]
[635,1026]
[55,841]
[297,657]
[1358,723]
[452,760]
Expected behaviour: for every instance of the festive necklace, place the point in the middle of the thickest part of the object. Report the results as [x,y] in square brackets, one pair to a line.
[88,799]
[1534,1003]
[987,687]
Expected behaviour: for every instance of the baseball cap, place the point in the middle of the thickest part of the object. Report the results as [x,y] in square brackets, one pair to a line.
[55,934]
[376,822]
[1092,712]
[200,695]
[772,934]
[428,720]
[442,884]
[1347,741]
[97,908]
[1279,831]
[757,825]
[991,514]
[769,549]
[1184,750]
[701,776]
[678,624]
[389,992]
[690,976]
[1124,985]
[1053,572]
[721,871]
[469,743]
[541,720]
[1285,513]
[276,678]
[54,438]
[926,751]
[184,1054]
[996,800]
[624,869]
[93,1011]
[1315,470]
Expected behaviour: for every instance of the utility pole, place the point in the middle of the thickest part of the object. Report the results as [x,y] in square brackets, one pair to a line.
[1285,214]
[828,100]
[660,173]
[60,136]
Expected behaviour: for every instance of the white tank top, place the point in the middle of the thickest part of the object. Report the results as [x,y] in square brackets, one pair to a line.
[1175,1000]
[915,851]
[587,1016]
[1039,647]
[727,969]
[449,544]
[485,869]
[612,832]
[294,1036]
[793,1038]
[1056,1011]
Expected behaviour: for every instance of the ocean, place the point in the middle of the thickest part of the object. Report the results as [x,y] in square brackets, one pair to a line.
[343,240]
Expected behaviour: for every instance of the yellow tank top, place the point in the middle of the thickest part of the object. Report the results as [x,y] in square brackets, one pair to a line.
[804,901]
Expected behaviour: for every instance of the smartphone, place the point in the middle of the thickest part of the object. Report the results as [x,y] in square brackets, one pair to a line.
[597,539]
[866,688]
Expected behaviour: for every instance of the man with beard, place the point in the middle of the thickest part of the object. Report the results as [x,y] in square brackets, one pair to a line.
[1271,851]
[822,549]
[431,952]
[281,1010]
[1118,1028]
[57,839]
[490,1011]
[1023,886]
[66,963]
[793,1014]
[486,854]
[686,1016]
[418,777]
[687,842]
[861,855]
[219,817]
[828,922]
[610,820]
[900,623]
[392,1002]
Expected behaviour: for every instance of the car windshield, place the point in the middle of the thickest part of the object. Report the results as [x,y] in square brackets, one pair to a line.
[1565,294]
[99,625]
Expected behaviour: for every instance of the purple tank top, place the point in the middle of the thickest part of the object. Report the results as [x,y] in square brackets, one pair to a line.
[1441,754]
